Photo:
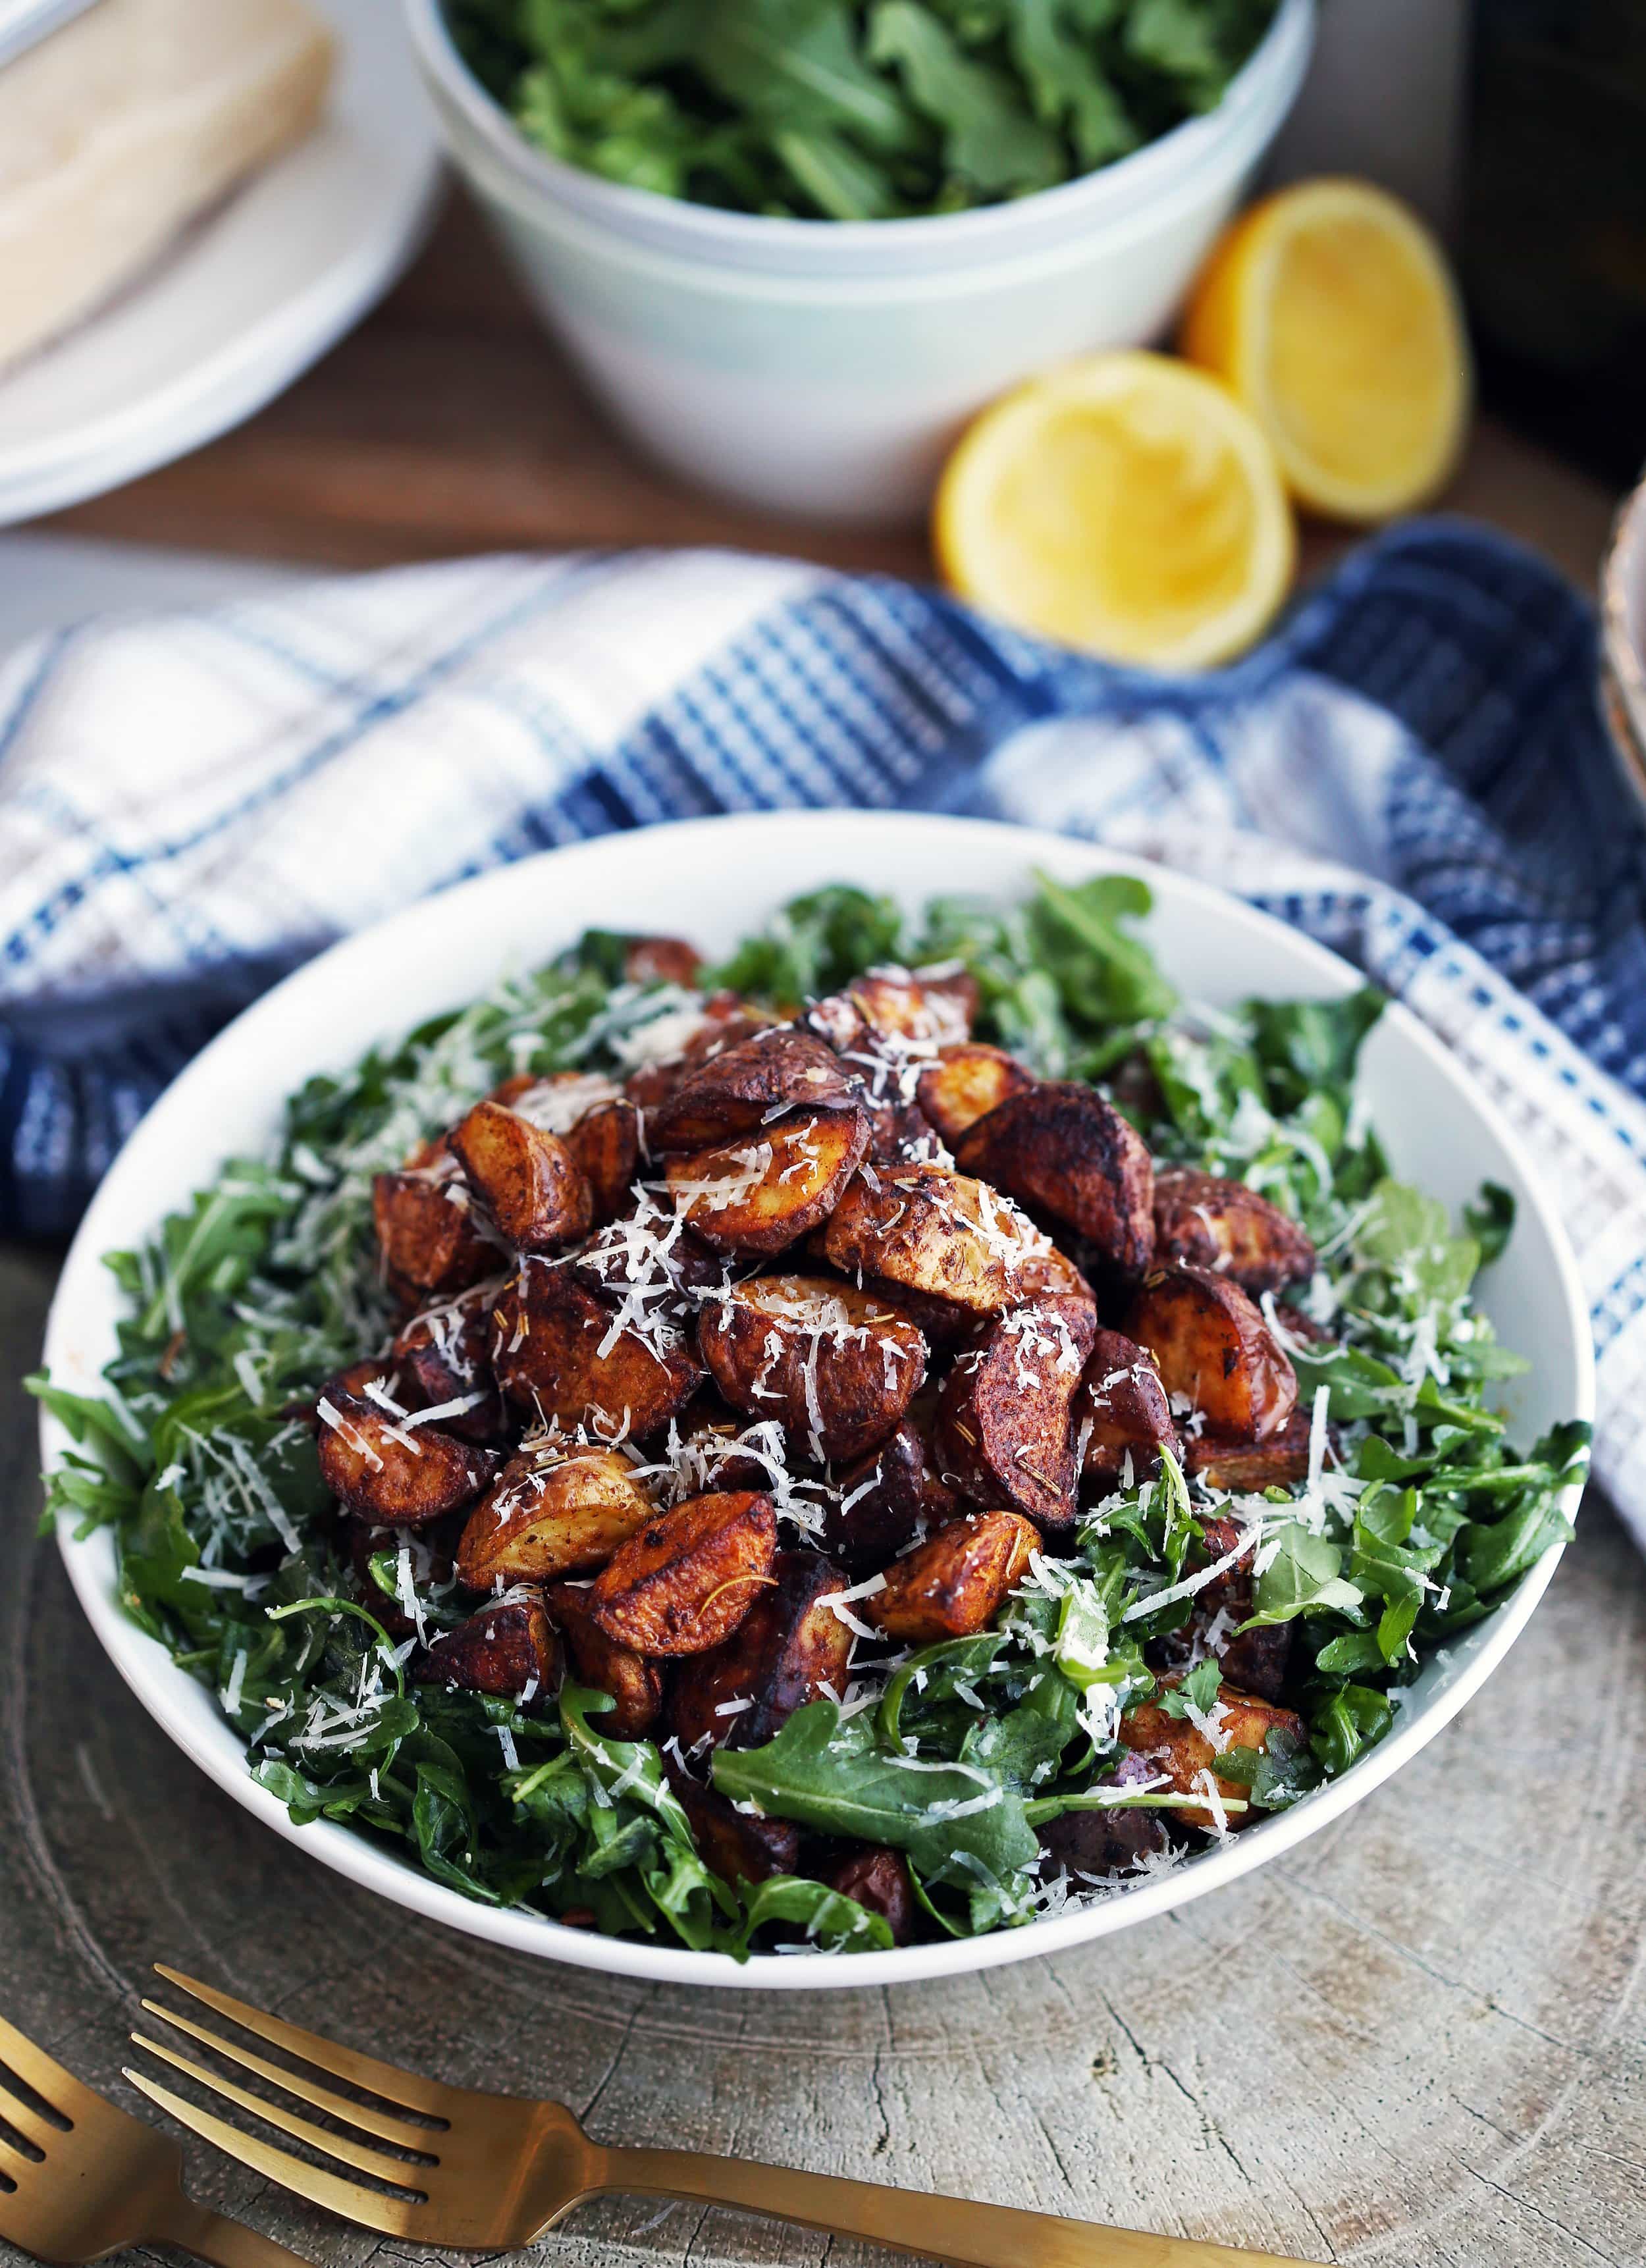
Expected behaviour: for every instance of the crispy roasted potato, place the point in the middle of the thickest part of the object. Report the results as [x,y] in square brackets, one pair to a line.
[445,1351]
[1178,1748]
[1245,1466]
[788,1648]
[965,1083]
[945,1327]
[1255,1661]
[1094,1846]
[551,1512]
[889,1499]
[1121,1412]
[836,1366]
[560,1352]
[426,1229]
[393,1473]
[956,1581]
[765,1192]
[556,1100]
[741,1090]
[1002,1433]
[605,1147]
[507,1648]
[733,1844]
[877,1878]
[933,1231]
[684,1582]
[1061,1150]
[1201,1221]
[1213,1349]
[904,1007]
[648,1255]
[720,1022]
[635,1684]
[660,960]
[527,1179]
[899,1131]
[354,1379]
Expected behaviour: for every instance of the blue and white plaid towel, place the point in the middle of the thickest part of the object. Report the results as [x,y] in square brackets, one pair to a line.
[1413,771]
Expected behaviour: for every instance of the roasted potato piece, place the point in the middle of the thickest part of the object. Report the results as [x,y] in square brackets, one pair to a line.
[1242,1466]
[1255,1661]
[912,1007]
[560,1352]
[933,1231]
[354,1379]
[1178,1747]
[900,1133]
[394,1473]
[1121,1412]
[733,1844]
[648,1259]
[836,1366]
[1003,1432]
[1212,1348]
[741,1090]
[426,1230]
[556,1100]
[684,1582]
[551,1512]
[1061,1150]
[605,1147]
[878,1878]
[446,1353]
[1201,1221]
[965,1083]
[635,1684]
[722,1022]
[660,960]
[1094,1846]
[956,1582]
[526,1180]
[765,1193]
[945,1327]
[889,1499]
[788,1648]
[506,1648]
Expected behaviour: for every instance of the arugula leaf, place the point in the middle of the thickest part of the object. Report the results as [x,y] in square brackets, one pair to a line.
[1304,1577]
[990,140]
[1198,1690]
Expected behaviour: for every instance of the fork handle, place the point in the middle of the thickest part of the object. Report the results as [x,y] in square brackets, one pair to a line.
[226,2243]
[940,2227]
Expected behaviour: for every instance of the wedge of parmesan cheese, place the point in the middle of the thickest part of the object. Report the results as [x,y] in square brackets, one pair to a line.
[118,129]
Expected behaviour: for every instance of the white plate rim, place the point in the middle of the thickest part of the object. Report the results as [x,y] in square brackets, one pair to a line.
[163,1689]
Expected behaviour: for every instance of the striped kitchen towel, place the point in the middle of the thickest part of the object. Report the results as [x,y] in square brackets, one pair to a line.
[1413,769]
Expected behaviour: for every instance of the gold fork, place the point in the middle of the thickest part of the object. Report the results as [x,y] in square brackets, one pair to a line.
[493,2171]
[93,2179]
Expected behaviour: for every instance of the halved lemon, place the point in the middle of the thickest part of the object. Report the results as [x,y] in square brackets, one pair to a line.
[1126,505]
[1330,311]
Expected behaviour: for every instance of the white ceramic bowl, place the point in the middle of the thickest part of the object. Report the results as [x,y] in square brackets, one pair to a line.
[714,880]
[824,367]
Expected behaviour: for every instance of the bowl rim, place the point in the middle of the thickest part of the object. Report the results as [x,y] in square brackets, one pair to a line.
[714,230]
[173,1699]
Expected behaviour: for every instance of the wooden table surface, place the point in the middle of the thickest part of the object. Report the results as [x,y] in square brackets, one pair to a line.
[1419,2040]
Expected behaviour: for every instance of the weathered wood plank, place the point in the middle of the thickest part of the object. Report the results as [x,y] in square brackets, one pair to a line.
[1419,2042]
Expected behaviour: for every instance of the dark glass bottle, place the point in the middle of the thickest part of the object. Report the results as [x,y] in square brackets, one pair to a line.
[1554,221]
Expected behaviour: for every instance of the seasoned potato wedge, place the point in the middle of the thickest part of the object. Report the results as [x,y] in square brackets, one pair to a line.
[527,1179]
[1201,1221]
[635,1684]
[426,1229]
[1121,1412]
[1212,1348]
[605,1147]
[733,1844]
[911,1006]
[507,1648]
[899,1132]
[877,1878]
[966,1083]
[720,1022]
[836,1366]
[788,1648]
[765,1193]
[1178,1747]
[741,1090]
[647,1256]
[685,1581]
[445,1351]
[556,1100]
[945,1327]
[354,1379]
[933,1231]
[1093,1847]
[956,1581]
[1246,1465]
[551,1512]
[392,1472]
[1002,1433]
[891,1497]
[560,1352]
[1061,1150]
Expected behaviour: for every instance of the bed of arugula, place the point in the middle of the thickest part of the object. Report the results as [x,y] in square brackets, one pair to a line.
[851,109]
[246,1301]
